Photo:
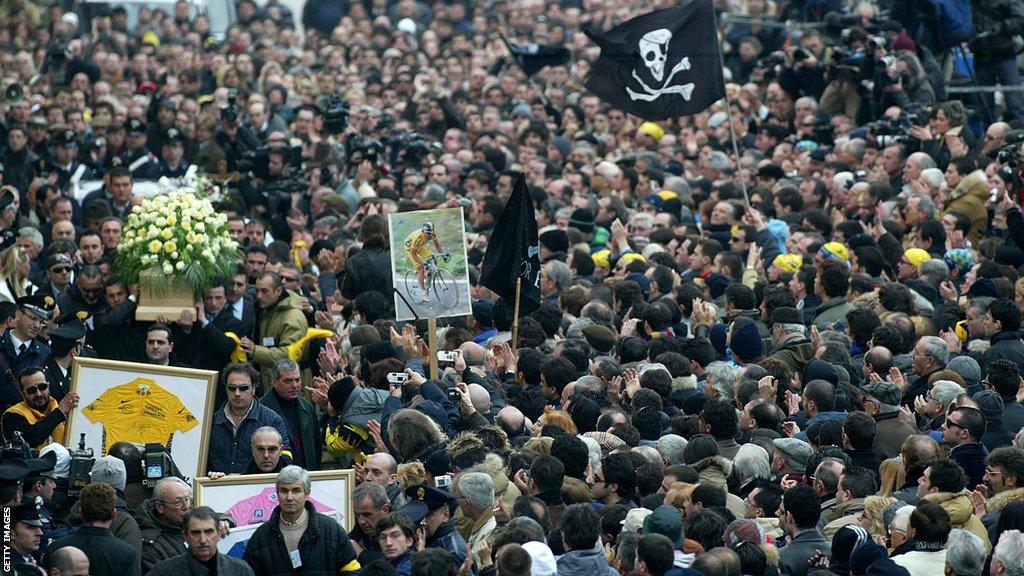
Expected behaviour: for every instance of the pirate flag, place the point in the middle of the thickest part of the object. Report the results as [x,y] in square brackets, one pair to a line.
[513,251]
[661,65]
[534,57]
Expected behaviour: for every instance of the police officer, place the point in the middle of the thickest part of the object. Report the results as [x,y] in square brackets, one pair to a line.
[38,490]
[26,533]
[433,510]
[20,347]
[12,472]
[172,154]
[65,155]
[66,342]
[137,157]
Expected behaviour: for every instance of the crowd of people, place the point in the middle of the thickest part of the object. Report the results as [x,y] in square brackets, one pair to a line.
[802,360]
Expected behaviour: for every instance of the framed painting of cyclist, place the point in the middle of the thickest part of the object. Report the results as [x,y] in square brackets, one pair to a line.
[428,264]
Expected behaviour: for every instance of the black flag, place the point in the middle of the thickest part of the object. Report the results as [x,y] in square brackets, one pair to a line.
[533,57]
[660,65]
[513,251]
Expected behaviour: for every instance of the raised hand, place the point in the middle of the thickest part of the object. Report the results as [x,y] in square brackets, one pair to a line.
[767,388]
[897,378]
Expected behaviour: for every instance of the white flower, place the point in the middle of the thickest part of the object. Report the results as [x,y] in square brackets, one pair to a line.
[168,269]
[179,266]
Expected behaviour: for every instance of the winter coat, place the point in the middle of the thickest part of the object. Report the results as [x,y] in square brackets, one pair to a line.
[504,491]
[995,508]
[124,526]
[969,198]
[369,269]
[714,470]
[276,327]
[309,427]
[793,556]
[1005,346]
[831,311]
[1005,19]
[795,351]
[845,514]
[160,540]
[107,554]
[971,457]
[921,562]
[584,563]
[890,433]
[186,564]
[961,513]
[324,548]
[230,452]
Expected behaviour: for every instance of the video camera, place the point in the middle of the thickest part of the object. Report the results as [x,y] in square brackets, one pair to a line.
[1010,154]
[359,147]
[336,113]
[229,113]
[413,147]
[158,464]
[80,471]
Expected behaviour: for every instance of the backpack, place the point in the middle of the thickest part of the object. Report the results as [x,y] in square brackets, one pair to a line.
[952,21]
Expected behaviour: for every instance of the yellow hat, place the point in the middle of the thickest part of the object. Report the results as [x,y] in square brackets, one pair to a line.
[916,257]
[835,251]
[652,130]
[789,263]
[602,258]
[151,38]
[631,256]
[667,195]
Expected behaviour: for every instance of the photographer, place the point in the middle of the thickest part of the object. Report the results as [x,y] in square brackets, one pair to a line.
[803,73]
[232,136]
[902,82]
[999,24]
[945,136]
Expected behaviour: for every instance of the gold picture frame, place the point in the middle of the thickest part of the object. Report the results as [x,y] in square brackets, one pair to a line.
[227,493]
[179,402]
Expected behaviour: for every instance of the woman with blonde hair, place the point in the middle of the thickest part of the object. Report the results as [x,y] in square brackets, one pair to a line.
[14,269]
[871,518]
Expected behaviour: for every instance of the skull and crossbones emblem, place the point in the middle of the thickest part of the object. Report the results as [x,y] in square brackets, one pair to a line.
[654,51]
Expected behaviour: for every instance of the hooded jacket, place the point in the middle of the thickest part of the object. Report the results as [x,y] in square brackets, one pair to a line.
[845,514]
[961,513]
[831,311]
[969,198]
[995,508]
[714,470]
[277,327]
[584,563]
[795,350]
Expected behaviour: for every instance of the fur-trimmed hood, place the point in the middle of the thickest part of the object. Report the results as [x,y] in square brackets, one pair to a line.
[1005,498]
[713,470]
[958,506]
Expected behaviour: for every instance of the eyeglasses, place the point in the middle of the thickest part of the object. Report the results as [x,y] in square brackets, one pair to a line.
[178,502]
[61,270]
[993,473]
[289,278]
[40,388]
[949,424]
[244,388]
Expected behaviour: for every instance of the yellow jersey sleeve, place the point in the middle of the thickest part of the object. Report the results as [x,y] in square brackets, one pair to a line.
[415,241]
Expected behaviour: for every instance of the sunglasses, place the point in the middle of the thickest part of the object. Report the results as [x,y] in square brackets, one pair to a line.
[239,388]
[33,389]
[61,270]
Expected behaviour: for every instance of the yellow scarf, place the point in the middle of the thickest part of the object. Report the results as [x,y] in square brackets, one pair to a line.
[33,416]
[295,350]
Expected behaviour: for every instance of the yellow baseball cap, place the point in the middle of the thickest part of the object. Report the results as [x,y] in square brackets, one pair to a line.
[631,256]
[916,257]
[835,251]
[602,258]
[789,263]
[653,130]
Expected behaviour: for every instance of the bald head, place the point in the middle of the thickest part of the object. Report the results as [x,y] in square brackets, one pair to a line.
[878,360]
[511,421]
[480,398]
[473,353]
[69,560]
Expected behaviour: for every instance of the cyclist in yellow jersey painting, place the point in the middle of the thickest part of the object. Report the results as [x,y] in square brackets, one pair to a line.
[417,251]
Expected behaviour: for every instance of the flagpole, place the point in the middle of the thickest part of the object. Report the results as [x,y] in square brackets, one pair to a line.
[515,316]
[728,117]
